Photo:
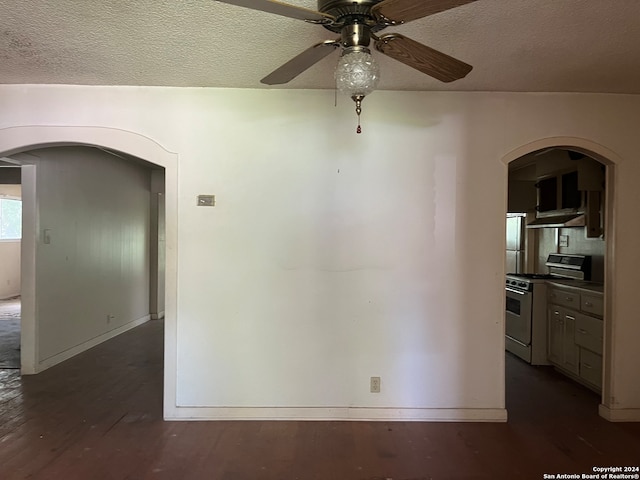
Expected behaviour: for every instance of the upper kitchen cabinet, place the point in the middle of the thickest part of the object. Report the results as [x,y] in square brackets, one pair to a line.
[590,175]
[564,188]
[570,183]
[522,194]
[563,176]
[559,192]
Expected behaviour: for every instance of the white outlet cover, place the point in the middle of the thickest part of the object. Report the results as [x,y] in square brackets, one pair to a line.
[563,241]
[375,385]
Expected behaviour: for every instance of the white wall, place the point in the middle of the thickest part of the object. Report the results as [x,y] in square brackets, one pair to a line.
[331,257]
[93,276]
[10,254]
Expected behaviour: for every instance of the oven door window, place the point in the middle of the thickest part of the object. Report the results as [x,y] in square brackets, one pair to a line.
[513,305]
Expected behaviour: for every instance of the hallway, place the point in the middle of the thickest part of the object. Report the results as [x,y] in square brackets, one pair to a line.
[99,416]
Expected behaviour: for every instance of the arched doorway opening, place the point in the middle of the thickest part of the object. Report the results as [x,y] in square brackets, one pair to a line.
[22,139]
[579,223]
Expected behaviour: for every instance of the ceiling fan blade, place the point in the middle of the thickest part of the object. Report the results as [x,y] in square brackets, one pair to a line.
[284,9]
[402,11]
[423,58]
[300,63]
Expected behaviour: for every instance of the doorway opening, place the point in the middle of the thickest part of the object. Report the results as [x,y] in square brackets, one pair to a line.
[10,244]
[22,139]
[558,242]
[96,220]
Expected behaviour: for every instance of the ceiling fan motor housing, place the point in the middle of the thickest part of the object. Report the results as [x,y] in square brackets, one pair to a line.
[355,35]
[350,12]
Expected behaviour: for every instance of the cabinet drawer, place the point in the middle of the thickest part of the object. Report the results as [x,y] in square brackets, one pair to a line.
[563,297]
[592,304]
[589,332]
[591,367]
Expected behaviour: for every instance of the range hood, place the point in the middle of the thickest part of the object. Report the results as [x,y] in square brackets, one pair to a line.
[571,220]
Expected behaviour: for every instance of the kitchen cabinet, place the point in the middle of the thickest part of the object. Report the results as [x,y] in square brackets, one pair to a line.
[592,304]
[591,175]
[522,196]
[572,190]
[575,333]
[591,368]
[559,193]
[563,350]
[588,333]
[566,298]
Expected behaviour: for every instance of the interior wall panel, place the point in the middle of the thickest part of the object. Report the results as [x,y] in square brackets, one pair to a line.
[93,246]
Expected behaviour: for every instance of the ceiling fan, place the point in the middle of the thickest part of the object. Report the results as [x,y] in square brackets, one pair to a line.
[358,22]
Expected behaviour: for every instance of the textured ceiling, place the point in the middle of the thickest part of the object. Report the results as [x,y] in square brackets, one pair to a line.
[514,45]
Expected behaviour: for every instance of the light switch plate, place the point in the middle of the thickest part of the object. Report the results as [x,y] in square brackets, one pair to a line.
[206,200]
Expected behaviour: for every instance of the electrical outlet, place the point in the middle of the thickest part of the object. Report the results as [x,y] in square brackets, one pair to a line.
[563,241]
[375,384]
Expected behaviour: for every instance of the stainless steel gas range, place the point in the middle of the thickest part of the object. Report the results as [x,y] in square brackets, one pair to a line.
[526,305]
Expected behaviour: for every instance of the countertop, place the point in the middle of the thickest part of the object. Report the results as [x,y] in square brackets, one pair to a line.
[591,287]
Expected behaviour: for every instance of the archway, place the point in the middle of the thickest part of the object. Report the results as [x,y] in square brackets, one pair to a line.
[609,159]
[19,139]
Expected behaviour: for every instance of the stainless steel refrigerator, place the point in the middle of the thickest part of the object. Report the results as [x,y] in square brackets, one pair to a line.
[515,243]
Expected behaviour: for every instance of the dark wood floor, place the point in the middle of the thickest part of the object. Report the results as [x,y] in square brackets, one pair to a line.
[99,416]
[10,333]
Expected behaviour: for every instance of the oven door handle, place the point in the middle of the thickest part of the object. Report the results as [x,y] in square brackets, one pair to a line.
[519,292]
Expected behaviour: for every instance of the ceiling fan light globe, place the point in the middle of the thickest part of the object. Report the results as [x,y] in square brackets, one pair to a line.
[357,73]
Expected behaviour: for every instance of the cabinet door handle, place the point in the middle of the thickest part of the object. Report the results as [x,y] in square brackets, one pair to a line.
[588,304]
[570,317]
[569,299]
[586,365]
[582,331]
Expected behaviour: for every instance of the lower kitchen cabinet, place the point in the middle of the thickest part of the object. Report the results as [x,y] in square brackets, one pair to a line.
[591,367]
[575,335]
[563,350]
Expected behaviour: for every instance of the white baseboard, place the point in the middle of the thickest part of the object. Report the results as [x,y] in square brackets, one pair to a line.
[619,415]
[67,354]
[339,413]
[157,316]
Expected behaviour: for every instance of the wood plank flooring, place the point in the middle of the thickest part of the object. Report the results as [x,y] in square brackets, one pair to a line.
[99,416]
[10,333]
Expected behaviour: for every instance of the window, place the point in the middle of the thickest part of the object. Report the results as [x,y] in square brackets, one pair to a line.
[10,219]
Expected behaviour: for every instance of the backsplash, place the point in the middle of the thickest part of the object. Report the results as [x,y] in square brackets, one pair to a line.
[578,244]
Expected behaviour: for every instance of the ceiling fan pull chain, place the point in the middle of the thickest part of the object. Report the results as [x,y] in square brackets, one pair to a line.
[358,99]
